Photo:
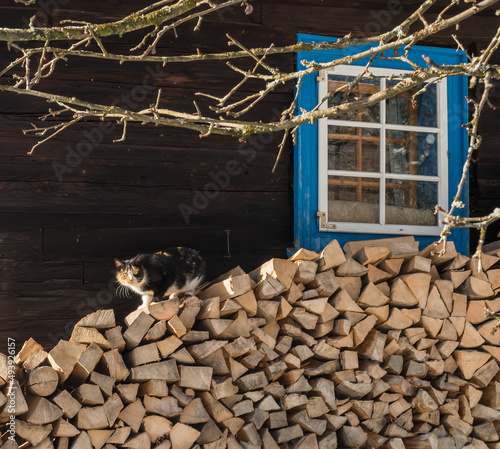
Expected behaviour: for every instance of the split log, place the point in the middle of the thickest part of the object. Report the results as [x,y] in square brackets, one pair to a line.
[42,381]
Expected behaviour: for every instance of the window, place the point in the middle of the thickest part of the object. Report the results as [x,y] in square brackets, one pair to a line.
[378,171]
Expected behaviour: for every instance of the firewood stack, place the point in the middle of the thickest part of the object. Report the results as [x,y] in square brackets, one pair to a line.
[378,345]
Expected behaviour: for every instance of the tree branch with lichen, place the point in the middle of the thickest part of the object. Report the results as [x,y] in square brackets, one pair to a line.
[41,49]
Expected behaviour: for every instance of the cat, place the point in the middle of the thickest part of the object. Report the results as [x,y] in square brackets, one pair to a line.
[165,273]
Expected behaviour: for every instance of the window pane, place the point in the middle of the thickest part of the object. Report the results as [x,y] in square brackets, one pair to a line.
[353,199]
[410,202]
[423,112]
[364,89]
[352,148]
[411,153]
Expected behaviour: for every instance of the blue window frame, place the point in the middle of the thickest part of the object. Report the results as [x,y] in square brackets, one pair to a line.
[309,153]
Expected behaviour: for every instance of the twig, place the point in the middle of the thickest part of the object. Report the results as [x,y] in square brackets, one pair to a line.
[60,128]
[124,133]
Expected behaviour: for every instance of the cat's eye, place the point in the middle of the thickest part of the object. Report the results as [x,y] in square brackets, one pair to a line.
[135,270]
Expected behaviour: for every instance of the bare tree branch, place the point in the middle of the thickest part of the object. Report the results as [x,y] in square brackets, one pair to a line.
[37,52]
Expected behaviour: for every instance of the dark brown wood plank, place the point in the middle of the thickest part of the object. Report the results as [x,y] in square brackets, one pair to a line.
[20,244]
[94,243]
[55,197]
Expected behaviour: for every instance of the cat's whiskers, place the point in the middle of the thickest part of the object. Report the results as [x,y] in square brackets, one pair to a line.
[122,291]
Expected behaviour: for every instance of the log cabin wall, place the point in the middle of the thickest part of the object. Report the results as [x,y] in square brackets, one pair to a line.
[63,218]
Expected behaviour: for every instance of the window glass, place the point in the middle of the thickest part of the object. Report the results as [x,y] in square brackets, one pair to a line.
[353,199]
[340,94]
[404,109]
[410,202]
[412,153]
[353,149]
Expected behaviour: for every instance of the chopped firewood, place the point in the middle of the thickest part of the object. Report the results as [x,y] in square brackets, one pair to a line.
[63,428]
[190,309]
[380,347]
[197,378]
[470,361]
[476,288]
[176,326]
[105,383]
[112,407]
[484,375]
[435,306]
[305,319]
[268,288]
[470,338]
[153,387]
[128,392]
[88,394]
[142,355]
[248,302]
[194,413]
[32,433]
[351,268]
[376,276]
[166,370]
[33,361]
[361,329]
[305,271]
[371,254]
[115,338]
[304,254]
[168,345]
[91,418]
[215,409]
[231,287]
[139,441]
[416,264]
[331,256]
[166,406]
[391,266]
[99,437]
[119,436]
[101,319]
[401,295]
[42,381]
[115,365]
[133,415]
[371,296]
[64,356]
[344,303]
[326,283]
[137,330]
[352,436]
[397,320]
[82,441]
[156,427]
[86,364]
[238,327]
[283,270]
[164,310]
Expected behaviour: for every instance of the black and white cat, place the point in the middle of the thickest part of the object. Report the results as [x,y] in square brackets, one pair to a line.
[162,274]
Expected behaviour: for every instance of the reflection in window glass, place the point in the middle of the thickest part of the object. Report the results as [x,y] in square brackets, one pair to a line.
[353,199]
[354,149]
[413,153]
[364,89]
[400,110]
[410,202]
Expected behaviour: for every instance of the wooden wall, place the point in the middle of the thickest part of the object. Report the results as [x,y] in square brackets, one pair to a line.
[63,218]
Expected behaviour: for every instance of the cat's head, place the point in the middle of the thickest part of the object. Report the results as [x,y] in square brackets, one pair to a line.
[129,272]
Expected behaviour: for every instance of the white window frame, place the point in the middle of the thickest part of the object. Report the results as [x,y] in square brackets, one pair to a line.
[442,157]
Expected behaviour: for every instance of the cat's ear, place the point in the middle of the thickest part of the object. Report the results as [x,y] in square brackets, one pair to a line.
[137,261]
[119,264]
